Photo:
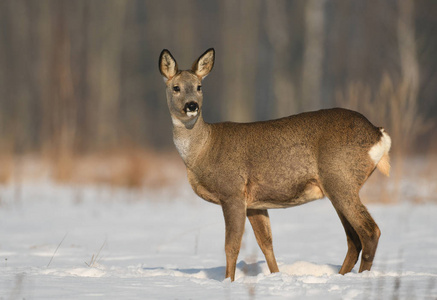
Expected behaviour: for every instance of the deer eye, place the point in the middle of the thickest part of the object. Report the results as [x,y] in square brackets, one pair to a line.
[199,88]
[176,88]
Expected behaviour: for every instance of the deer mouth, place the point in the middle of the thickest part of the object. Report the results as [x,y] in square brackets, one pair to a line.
[191,109]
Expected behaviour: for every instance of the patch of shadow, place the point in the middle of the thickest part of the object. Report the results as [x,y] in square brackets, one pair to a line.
[217,273]
[252,269]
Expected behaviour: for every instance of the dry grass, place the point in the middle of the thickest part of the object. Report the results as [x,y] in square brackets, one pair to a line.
[96,258]
[393,106]
[7,161]
[56,250]
[137,168]
[130,168]
[125,167]
[6,167]
[416,184]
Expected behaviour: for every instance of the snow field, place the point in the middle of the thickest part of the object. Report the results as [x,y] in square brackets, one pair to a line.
[75,242]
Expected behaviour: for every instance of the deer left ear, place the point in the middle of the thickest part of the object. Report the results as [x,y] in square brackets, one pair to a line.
[203,65]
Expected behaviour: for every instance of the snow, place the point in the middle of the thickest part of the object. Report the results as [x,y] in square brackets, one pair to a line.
[78,242]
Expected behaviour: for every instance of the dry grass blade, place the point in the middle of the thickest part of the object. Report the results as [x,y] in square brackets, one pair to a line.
[54,253]
[96,258]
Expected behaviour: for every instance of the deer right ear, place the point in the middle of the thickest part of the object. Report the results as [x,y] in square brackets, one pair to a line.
[167,65]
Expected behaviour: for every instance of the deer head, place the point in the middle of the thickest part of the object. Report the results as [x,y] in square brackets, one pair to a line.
[184,88]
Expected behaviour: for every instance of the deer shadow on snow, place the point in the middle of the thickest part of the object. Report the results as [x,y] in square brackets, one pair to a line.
[299,268]
[215,273]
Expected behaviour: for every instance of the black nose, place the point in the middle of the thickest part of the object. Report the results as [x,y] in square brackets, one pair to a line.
[191,107]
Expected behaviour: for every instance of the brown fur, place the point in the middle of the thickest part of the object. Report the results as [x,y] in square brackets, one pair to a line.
[248,168]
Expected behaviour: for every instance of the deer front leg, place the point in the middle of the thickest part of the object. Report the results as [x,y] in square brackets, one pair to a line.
[259,219]
[235,217]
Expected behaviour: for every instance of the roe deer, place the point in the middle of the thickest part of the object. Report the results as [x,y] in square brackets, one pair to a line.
[248,168]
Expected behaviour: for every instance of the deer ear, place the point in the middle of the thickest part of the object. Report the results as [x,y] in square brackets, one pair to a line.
[203,65]
[167,65]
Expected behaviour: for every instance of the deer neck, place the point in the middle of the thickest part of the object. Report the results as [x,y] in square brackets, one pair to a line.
[190,138]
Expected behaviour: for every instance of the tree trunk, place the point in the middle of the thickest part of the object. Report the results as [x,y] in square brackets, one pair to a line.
[313,55]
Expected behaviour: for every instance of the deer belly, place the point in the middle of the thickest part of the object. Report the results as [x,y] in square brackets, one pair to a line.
[259,197]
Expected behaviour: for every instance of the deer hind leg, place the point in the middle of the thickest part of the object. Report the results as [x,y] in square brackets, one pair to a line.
[371,237]
[353,244]
[359,223]
[235,217]
[259,219]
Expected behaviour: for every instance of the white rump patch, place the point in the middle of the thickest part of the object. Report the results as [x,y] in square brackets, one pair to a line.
[380,148]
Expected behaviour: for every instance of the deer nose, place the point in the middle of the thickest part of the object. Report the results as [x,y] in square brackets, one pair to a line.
[191,108]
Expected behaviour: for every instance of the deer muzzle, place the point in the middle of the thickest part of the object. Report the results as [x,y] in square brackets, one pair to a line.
[191,108]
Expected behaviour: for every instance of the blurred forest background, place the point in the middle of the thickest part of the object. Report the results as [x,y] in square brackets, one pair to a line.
[80,78]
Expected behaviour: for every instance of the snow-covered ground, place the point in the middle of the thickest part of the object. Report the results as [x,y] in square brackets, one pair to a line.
[67,242]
